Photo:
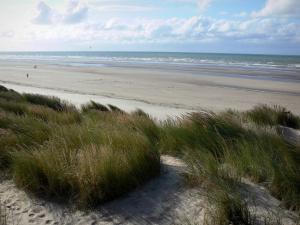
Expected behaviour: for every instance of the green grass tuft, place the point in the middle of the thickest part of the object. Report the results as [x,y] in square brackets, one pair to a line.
[13,107]
[94,106]
[115,109]
[88,163]
[219,147]
[51,102]
[230,209]
[276,115]
[3,89]
[52,149]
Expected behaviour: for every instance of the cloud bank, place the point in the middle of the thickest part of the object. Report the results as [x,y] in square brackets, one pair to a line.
[196,29]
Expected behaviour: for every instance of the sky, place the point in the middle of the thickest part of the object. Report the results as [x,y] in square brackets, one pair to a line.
[229,26]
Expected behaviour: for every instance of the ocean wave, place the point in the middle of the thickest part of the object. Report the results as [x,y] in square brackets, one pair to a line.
[100,59]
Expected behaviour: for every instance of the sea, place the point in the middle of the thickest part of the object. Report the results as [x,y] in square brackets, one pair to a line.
[102,58]
[287,65]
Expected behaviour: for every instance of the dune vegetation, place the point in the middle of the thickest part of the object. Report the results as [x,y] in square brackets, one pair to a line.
[223,149]
[99,152]
[89,155]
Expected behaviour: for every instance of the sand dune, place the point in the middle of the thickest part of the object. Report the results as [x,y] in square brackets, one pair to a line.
[163,200]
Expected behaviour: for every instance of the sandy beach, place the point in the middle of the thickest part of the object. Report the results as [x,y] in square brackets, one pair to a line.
[126,112]
[162,91]
[159,90]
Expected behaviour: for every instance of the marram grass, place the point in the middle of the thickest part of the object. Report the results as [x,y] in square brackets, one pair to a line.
[99,152]
[219,147]
[87,163]
[54,150]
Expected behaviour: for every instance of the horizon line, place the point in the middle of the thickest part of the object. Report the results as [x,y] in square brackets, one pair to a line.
[134,51]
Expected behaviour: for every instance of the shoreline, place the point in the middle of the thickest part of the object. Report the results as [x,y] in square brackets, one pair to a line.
[256,72]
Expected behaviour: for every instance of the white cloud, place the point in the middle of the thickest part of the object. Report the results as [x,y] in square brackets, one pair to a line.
[75,12]
[203,4]
[279,8]
[45,14]
[112,6]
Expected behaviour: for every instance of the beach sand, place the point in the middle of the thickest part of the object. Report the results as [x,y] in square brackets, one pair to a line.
[159,91]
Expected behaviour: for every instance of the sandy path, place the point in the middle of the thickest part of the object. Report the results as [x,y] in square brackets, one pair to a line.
[163,200]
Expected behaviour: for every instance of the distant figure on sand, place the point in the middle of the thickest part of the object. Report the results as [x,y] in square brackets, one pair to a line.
[27,75]
[35,66]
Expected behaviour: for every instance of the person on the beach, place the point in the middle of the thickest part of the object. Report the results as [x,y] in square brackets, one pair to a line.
[27,75]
